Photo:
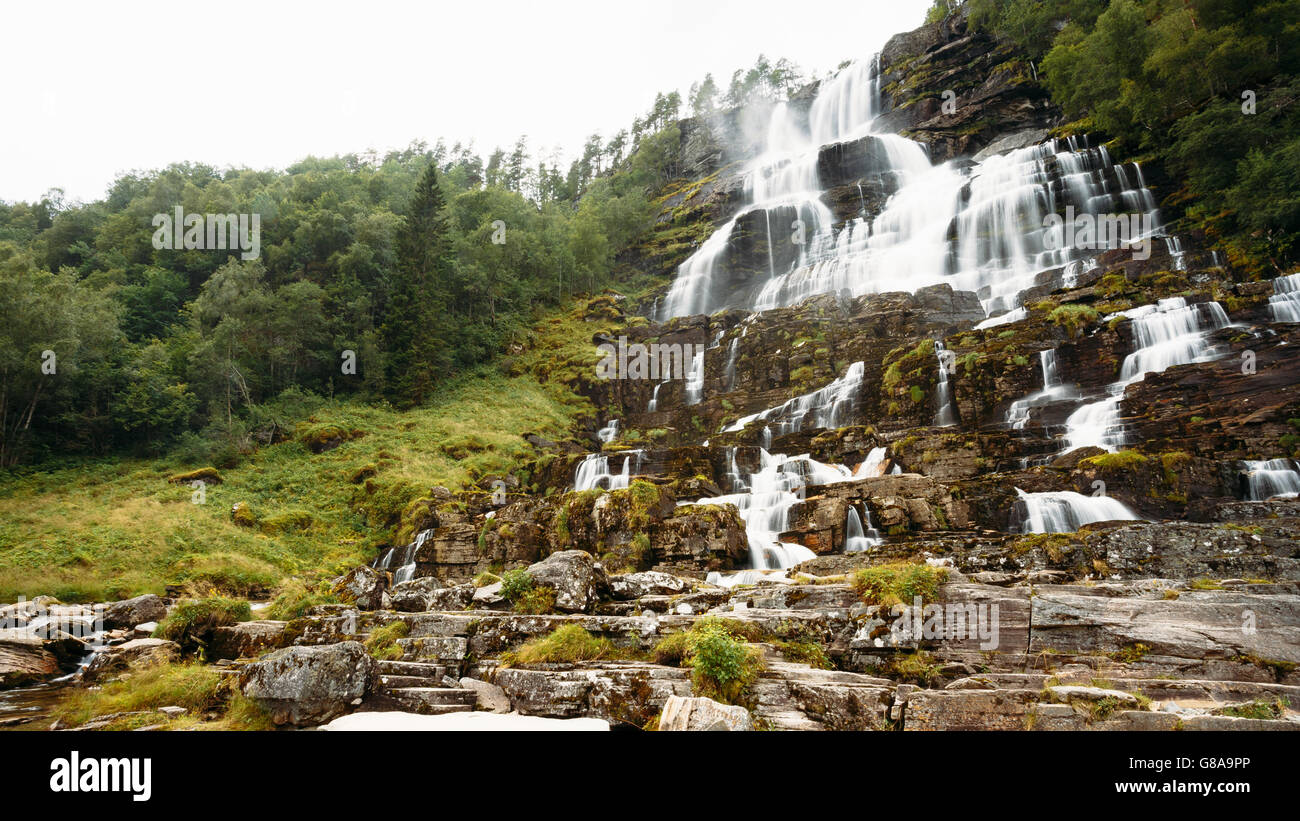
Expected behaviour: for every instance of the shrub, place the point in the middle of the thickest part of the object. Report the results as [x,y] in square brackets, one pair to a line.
[569,643]
[515,583]
[897,583]
[1073,317]
[913,668]
[382,641]
[191,621]
[723,668]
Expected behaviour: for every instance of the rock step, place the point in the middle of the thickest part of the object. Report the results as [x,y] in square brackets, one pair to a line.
[435,700]
[450,649]
[402,682]
[412,668]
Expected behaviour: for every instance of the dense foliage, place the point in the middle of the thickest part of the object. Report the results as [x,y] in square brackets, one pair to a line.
[1208,87]
[413,261]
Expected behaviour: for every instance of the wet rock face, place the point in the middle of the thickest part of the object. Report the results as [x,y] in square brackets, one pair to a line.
[309,685]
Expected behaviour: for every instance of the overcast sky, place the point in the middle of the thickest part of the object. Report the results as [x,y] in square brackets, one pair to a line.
[93,89]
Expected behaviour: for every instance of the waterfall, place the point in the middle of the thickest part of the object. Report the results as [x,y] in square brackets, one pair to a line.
[608,433]
[873,465]
[946,415]
[1166,334]
[1284,304]
[1065,511]
[404,557]
[1053,390]
[594,471]
[1176,253]
[653,405]
[980,227]
[827,407]
[730,372]
[1014,315]
[1272,479]
[695,379]
[856,540]
[776,487]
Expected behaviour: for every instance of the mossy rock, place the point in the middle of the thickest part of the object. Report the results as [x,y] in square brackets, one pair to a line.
[208,474]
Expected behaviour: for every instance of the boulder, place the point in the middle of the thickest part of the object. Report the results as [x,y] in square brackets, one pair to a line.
[413,596]
[635,585]
[133,655]
[490,696]
[23,659]
[309,685]
[574,576]
[245,639]
[430,594]
[681,713]
[363,585]
[130,612]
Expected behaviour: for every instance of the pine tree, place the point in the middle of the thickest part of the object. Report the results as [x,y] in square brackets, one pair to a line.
[413,330]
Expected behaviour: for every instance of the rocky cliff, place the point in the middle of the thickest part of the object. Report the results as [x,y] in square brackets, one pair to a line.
[1086,478]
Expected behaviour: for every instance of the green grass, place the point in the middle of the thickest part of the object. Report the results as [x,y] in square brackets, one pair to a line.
[115,527]
[196,687]
[898,583]
[566,644]
[382,641]
[212,703]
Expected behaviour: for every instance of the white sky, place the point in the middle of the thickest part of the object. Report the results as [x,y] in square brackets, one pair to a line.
[93,89]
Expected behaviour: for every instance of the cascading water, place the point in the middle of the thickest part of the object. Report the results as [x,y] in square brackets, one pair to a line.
[608,433]
[946,415]
[1065,511]
[775,488]
[1272,479]
[827,407]
[404,558]
[695,379]
[856,538]
[1053,391]
[594,471]
[1166,334]
[979,227]
[1284,304]
[873,465]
